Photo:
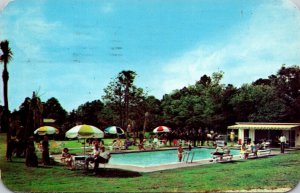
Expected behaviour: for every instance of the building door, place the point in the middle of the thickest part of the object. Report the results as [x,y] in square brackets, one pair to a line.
[292,138]
[246,135]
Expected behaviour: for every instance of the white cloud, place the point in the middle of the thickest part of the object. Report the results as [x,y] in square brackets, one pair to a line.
[255,50]
[29,31]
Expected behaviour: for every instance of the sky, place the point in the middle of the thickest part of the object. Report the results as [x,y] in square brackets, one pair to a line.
[72,49]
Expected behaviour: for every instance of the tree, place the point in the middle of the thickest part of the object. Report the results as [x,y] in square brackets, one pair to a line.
[125,99]
[151,107]
[287,84]
[198,105]
[53,109]
[258,103]
[35,118]
[126,78]
[90,113]
[114,100]
[5,58]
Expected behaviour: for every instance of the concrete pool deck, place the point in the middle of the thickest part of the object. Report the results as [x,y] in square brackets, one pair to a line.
[167,166]
[176,165]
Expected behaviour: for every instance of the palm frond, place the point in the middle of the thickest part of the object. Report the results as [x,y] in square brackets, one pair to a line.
[6,51]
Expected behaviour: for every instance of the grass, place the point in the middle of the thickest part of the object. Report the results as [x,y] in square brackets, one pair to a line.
[282,171]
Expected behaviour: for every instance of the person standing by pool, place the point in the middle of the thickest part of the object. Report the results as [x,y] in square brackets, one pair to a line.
[190,145]
[179,152]
[282,140]
[232,136]
[45,149]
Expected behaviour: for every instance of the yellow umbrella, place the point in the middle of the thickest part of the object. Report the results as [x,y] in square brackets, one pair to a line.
[46,130]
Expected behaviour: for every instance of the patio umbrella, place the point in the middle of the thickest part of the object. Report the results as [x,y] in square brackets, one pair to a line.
[162,129]
[46,130]
[114,130]
[84,131]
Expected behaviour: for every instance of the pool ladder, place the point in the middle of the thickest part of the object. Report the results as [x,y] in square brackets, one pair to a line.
[187,155]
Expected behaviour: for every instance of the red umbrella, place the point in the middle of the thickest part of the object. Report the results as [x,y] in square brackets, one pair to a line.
[161,129]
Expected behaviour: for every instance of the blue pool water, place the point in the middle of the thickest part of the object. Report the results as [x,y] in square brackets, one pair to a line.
[154,158]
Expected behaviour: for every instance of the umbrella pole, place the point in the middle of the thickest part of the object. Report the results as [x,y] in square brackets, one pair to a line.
[84,148]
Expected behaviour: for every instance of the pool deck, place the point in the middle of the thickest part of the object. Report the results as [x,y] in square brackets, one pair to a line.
[160,167]
[177,165]
[167,166]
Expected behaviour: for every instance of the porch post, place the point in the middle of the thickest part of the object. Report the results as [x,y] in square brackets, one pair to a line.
[241,135]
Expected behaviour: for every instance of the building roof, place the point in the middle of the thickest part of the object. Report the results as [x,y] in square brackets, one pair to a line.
[265,126]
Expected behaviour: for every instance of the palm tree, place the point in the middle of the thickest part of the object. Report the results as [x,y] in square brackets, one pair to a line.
[5,58]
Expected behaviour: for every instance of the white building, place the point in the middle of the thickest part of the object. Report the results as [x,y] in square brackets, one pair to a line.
[268,131]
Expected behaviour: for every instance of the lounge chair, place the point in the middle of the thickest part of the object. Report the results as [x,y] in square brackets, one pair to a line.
[224,157]
[260,153]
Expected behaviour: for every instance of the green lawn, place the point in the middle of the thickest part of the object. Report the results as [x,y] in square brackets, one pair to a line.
[267,173]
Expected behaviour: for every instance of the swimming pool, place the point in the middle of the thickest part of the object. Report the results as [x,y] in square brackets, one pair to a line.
[155,158]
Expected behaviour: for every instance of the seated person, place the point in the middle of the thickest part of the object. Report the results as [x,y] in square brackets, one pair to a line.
[127,143]
[117,144]
[249,147]
[141,145]
[103,158]
[265,144]
[218,152]
[155,140]
[225,148]
[254,149]
[244,151]
[101,143]
[164,141]
[258,146]
[67,158]
[91,158]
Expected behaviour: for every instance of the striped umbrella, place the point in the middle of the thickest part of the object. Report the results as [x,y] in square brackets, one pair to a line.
[46,130]
[162,129]
[114,130]
[84,131]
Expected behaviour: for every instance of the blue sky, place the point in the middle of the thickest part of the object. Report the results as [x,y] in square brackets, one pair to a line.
[71,49]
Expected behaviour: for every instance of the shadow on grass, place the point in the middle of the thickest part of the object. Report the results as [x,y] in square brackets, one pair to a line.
[229,162]
[14,161]
[112,173]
